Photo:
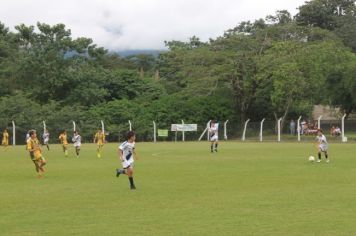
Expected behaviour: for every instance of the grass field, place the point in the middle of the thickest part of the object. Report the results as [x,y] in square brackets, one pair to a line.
[182,189]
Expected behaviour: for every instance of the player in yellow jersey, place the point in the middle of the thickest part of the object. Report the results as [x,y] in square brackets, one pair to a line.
[5,139]
[64,141]
[99,139]
[33,146]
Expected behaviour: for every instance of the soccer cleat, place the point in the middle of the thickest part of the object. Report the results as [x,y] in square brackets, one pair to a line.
[117,173]
[327,160]
[132,187]
[99,156]
[318,161]
[216,150]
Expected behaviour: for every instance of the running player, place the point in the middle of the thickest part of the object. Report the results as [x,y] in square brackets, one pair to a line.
[77,140]
[214,137]
[322,146]
[33,146]
[99,139]
[5,139]
[126,156]
[45,137]
[63,138]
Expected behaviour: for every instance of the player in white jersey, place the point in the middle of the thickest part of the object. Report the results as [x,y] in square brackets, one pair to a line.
[77,140]
[322,146]
[126,156]
[213,136]
[45,137]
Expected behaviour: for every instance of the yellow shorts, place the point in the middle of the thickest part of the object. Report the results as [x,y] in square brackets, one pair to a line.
[5,143]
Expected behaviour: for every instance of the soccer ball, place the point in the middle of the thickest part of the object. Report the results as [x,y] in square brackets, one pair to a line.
[311,158]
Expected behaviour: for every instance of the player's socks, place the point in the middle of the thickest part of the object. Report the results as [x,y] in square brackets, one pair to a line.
[119,172]
[216,147]
[66,153]
[327,158]
[319,156]
[47,147]
[132,185]
[212,148]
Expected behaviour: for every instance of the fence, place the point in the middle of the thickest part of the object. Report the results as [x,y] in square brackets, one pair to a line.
[234,131]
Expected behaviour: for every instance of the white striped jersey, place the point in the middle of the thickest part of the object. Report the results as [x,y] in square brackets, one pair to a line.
[127,149]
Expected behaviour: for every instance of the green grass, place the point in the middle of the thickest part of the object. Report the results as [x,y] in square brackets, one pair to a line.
[182,189]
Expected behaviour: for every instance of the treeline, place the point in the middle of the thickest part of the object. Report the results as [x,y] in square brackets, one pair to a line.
[275,67]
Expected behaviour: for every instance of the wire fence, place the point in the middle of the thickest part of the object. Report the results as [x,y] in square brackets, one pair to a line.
[234,131]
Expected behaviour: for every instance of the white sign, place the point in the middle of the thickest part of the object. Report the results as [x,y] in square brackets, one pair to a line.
[184,127]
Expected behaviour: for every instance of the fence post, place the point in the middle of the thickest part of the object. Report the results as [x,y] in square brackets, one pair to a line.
[225,129]
[298,127]
[319,118]
[74,127]
[13,133]
[130,125]
[279,129]
[102,127]
[183,136]
[44,126]
[261,130]
[207,129]
[343,138]
[244,133]
[154,132]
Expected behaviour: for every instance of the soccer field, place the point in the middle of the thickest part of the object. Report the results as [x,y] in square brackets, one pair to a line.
[182,189]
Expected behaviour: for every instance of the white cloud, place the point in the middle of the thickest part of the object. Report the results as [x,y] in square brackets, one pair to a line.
[141,24]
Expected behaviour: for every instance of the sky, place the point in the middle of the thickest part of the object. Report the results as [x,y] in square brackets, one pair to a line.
[141,24]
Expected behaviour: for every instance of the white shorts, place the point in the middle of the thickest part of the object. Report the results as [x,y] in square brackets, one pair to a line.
[323,148]
[77,146]
[214,138]
[46,141]
[128,163]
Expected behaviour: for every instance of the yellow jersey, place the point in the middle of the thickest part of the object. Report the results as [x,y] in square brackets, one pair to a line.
[63,139]
[100,138]
[33,146]
[5,138]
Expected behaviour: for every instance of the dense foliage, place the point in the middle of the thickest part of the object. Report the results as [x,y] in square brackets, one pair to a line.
[275,67]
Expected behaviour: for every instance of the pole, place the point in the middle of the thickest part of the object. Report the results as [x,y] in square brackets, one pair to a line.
[102,127]
[154,132]
[261,130]
[44,126]
[319,118]
[343,138]
[130,125]
[207,128]
[298,127]
[279,129]
[183,136]
[225,131]
[244,133]
[74,128]
[13,133]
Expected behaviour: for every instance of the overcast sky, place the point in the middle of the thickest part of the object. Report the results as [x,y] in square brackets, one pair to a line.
[141,24]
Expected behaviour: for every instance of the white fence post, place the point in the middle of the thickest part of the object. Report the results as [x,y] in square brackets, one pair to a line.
[343,138]
[298,127]
[183,136]
[319,118]
[154,132]
[13,133]
[74,126]
[244,133]
[102,127]
[261,130]
[279,129]
[44,126]
[225,129]
[130,125]
[206,129]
